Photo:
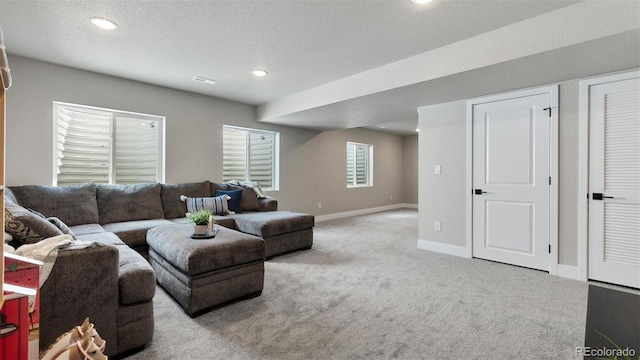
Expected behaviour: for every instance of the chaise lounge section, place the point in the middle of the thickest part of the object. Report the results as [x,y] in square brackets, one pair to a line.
[112,282]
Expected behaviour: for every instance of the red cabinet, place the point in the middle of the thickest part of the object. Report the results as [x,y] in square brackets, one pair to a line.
[15,346]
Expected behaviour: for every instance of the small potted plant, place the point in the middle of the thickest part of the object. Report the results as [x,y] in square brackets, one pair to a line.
[201,221]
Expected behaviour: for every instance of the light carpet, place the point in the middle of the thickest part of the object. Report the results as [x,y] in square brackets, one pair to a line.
[364,291]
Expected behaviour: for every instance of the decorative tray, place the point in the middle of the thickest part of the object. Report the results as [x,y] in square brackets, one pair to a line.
[206,235]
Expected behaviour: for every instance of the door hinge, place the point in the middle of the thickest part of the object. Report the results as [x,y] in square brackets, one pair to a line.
[549,108]
[549,180]
[549,249]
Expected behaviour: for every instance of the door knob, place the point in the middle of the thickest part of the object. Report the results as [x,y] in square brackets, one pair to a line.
[479,192]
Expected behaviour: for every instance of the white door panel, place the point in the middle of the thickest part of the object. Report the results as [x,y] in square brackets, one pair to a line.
[511,168]
[614,172]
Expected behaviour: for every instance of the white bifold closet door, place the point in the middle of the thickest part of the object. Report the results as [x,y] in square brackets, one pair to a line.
[614,182]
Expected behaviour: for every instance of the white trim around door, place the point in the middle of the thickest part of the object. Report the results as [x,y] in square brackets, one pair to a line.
[552,91]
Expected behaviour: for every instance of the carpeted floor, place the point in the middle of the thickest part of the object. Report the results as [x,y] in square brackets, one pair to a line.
[366,292]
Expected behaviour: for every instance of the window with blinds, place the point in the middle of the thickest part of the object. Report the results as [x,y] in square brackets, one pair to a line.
[250,155]
[359,168]
[106,146]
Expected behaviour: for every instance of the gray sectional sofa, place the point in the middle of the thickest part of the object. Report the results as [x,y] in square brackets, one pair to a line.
[112,282]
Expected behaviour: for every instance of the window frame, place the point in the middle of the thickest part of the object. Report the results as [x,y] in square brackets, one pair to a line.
[113,114]
[368,165]
[275,172]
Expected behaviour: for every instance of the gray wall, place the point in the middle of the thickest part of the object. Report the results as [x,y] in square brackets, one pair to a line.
[312,166]
[410,169]
[442,197]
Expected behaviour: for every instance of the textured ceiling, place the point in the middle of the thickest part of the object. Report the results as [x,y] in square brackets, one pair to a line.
[302,44]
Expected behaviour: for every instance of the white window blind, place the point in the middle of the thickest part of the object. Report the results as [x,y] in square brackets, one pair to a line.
[250,155]
[106,146]
[359,169]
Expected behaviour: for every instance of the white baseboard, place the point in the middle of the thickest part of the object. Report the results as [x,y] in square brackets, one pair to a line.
[570,272]
[321,218]
[442,248]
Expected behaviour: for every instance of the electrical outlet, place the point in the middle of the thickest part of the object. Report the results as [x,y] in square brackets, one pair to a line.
[390,197]
[437,169]
[437,226]
[319,205]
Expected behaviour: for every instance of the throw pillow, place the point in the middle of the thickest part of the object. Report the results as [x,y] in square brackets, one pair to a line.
[62,226]
[235,201]
[27,227]
[218,205]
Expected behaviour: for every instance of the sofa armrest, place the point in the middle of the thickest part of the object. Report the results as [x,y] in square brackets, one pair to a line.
[82,283]
[267,204]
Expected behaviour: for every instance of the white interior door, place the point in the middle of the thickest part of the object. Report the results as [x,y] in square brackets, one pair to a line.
[511,180]
[614,182]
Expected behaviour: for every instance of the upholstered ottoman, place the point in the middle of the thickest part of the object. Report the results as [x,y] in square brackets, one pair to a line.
[204,273]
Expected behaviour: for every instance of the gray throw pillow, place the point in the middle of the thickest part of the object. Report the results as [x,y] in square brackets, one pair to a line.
[27,227]
[62,226]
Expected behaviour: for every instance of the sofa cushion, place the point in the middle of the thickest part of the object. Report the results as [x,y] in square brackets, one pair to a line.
[104,237]
[27,227]
[235,201]
[270,223]
[250,201]
[118,203]
[172,206]
[219,186]
[86,229]
[136,280]
[73,204]
[134,233]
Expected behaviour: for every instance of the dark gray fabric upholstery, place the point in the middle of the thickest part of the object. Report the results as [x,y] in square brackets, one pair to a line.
[134,233]
[268,204]
[221,220]
[27,227]
[82,283]
[172,206]
[250,201]
[136,280]
[288,242]
[219,186]
[106,238]
[211,288]
[129,202]
[74,204]
[135,325]
[228,248]
[86,229]
[266,224]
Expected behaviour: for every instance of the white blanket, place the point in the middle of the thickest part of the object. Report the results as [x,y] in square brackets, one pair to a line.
[45,251]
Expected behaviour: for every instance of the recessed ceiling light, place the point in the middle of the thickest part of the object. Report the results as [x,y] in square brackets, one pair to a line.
[259,73]
[420,2]
[205,80]
[103,23]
